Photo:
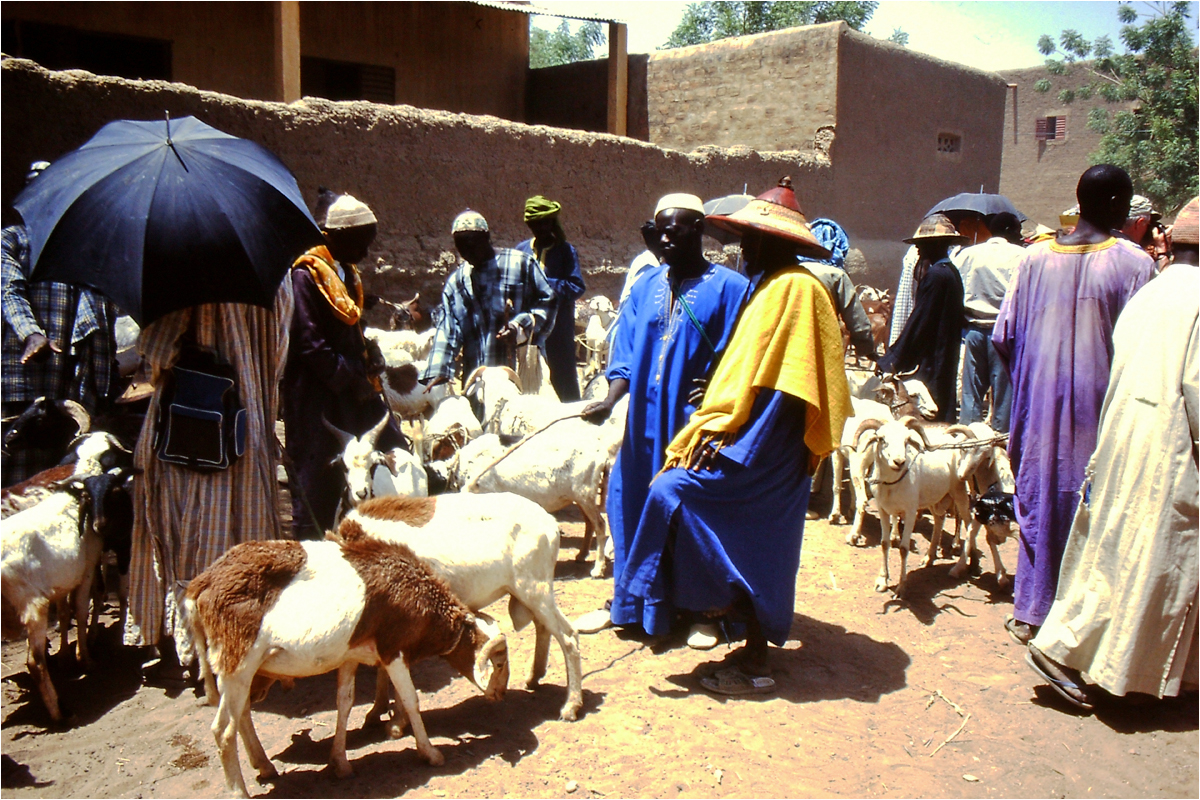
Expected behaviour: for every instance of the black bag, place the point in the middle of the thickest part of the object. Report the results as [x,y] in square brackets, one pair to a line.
[201,421]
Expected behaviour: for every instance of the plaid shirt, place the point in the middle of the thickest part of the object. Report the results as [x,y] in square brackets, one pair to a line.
[474,309]
[67,315]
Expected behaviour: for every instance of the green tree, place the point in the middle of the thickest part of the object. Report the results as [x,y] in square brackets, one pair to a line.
[709,21]
[1155,138]
[551,48]
[898,37]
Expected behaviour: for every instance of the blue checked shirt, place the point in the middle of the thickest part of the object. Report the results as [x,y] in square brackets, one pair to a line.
[475,308]
[75,318]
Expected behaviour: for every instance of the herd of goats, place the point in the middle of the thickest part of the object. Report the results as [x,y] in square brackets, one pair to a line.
[405,576]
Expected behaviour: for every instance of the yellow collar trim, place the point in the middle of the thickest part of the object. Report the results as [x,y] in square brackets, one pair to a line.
[1083,248]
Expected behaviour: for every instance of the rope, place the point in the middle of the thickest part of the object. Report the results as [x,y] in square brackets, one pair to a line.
[474,482]
[970,443]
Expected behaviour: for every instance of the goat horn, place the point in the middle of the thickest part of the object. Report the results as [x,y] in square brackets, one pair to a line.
[472,379]
[963,429]
[76,412]
[914,424]
[339,434]
[864,426]
[909,374]
[373,434]
[515,377]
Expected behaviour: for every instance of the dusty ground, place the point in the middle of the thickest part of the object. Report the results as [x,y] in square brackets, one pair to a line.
[871,692]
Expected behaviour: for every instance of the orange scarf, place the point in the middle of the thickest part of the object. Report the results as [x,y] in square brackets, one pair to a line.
[320,265]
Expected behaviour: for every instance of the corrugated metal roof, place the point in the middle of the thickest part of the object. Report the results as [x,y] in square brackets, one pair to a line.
[534,10]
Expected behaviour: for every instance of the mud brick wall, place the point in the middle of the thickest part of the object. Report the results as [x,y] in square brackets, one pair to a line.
[416,168]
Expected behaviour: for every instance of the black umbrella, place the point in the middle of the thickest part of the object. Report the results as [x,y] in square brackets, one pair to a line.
[980,203]
[725,206]
[165,215]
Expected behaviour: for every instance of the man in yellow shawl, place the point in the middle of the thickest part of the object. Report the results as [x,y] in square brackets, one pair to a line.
[722,528]
[328,377]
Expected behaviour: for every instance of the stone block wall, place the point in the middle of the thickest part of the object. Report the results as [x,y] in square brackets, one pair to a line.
[416,168]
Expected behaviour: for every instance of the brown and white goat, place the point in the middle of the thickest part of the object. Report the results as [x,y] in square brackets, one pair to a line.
[281,610]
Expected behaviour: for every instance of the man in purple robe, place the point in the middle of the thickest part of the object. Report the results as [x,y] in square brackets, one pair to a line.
[1054,331]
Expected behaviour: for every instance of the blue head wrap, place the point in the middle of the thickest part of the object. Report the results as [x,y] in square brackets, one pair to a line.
[833,238]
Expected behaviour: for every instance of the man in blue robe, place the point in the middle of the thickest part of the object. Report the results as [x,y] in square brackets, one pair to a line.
[560,264]
[724,520]
[678,318]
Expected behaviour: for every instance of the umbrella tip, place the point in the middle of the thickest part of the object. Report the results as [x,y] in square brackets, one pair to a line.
[168,113]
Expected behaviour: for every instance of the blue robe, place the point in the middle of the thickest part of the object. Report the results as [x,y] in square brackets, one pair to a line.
[560,264]
[660,352]
[706,537]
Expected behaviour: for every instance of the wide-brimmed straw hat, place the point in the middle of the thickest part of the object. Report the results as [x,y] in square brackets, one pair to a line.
[774,213]
[1184,230]
[936,228]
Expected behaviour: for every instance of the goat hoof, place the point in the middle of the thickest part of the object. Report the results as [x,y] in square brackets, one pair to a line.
[881,585]
[837,519]
[599,570]
[1004,581]
[343,770]
[957,571]
[268,773]
[434,757]
[395,730]
[582,555]
[570,712]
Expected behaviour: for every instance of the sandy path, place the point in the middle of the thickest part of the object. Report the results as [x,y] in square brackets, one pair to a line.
[857,713]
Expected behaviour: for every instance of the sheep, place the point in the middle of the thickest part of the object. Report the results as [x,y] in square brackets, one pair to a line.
[484,547]
[283,610]
[908,482]
[48,552]
[401,473]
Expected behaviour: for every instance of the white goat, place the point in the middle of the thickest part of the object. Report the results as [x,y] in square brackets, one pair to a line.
[910,477]
[509,413]
[371,473]
[484,547]
[401,347]
[452,425]
[49,551]
[283,609]
[847,455]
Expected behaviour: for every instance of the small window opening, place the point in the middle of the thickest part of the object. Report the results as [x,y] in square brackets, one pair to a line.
[1051,129]
[949,143]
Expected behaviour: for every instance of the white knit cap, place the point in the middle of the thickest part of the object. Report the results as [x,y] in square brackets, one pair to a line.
[348,212]
[469,221]
[688,202]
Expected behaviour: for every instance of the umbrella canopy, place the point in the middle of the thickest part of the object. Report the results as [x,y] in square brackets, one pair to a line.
[160,216]
[729,204]
[978,202]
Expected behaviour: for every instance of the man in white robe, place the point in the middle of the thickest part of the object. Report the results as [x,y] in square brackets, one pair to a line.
[1126,606]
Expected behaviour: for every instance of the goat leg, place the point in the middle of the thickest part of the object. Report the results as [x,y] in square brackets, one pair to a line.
[82,597]
[837,465]
[935,542]
[254,749]
[910,522]
[345,700]
[235,697]
[1003,579]
[964,558]
[407,694]
[37,621]
[886,521]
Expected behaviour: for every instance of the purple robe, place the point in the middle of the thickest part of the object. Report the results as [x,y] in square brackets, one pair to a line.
[1054,330]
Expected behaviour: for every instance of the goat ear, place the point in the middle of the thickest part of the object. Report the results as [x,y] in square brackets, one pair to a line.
[339,434]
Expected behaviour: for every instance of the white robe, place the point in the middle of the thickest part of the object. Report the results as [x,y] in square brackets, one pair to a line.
[1125,611]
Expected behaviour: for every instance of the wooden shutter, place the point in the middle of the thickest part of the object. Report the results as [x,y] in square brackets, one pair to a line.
[1040,130]
[1060,127]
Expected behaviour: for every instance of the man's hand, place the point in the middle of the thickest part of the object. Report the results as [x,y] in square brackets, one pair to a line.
[510,331]
[705,458]
[597,412]
[696,395]
[38,347]
[435,382]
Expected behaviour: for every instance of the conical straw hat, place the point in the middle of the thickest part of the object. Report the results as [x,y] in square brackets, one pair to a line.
[937,227]
[774,213]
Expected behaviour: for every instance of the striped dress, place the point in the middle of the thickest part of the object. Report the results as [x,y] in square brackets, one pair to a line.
[185,520]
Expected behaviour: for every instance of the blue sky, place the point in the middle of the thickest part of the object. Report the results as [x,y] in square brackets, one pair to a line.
[987,35]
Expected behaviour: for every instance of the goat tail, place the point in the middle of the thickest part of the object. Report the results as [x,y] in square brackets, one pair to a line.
[473,484]
[200,642]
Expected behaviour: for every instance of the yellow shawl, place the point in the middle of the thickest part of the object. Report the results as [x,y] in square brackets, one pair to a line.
[788,340]
[319,262]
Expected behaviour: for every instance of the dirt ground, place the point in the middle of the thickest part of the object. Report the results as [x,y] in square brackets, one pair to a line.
[877,697]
